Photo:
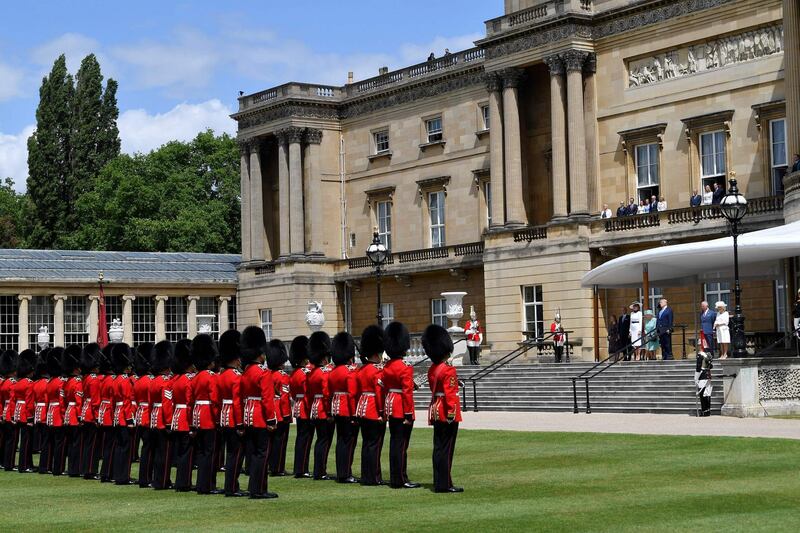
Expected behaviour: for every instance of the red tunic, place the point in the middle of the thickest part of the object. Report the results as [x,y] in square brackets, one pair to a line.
[445,403]
[141,395]
[398,383]
[24,404]
[297,388]
[91,398]
[230,397]
[370,383]
[283,403]
[40,400]
[73,394]
[161,402]
[56,402]
[258,392]
[123,401]
[319,392]
[105,411]
[343,383]
[181,402]
[205,412]
[6,399]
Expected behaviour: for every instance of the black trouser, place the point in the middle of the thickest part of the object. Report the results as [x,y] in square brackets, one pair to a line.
[324,430]
[705,405]
[59,449]
[399,438]
[346,439]
[665,340]
[38,438]
[91,450]
[184,452]
[123,454]
[146,456]
[302,445]
[219,450]
[233,459]
[258,442]
[444,444]
[372,433]
[277,453]
[474,353]
[206,474]
[162,459]
[46,453]
[74,452]
[107,436]
[559,353]
[10,439]
[25,447]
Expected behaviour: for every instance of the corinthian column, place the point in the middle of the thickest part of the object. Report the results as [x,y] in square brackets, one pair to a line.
[573,61]
[313,192]
[515,205]
[791,45]
[497,184]
[296,214]
[590,109]
[257,230]
[283,192]
[244,193]
[558,136]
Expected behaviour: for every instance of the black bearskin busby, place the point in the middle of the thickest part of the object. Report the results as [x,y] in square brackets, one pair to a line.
[229,346]
[70,359]
[298,351]
[90,357]
[121,357]
[163,355]
[372,341]
[26,363]
[276,354]
[8,362]
[105,360]
[319,348]
[142,358]
[41,364]
[182,356]
[253,344]
[397,340]
[343,348]
[437,343]
[204,351]
[54,361]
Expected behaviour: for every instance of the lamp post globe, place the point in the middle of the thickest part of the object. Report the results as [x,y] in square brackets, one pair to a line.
[734,207]
[377,254]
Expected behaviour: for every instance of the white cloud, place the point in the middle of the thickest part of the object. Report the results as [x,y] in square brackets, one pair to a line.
[411,53]
[10,82]
[142,132]
[73,45]
[14,157]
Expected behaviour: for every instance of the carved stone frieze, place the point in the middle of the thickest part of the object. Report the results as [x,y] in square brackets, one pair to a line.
[292,109]
[574,59]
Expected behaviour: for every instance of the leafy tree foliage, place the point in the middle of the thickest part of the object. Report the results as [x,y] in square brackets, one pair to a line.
[13,220]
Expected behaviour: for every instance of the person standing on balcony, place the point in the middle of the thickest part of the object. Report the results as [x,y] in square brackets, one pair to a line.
[632,208]
[621,211]
[654,207]
[707,319]
[796,315]
[696,199]
[662,204]
[708,195]
[721,327]
[606,213]
[664,328]
[719,192]
[636,329]
[796,163]
[474,335]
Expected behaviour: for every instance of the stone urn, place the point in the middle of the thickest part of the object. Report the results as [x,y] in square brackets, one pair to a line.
[205,324]
[315,318]
[43,337]
[115,331]
[455,310]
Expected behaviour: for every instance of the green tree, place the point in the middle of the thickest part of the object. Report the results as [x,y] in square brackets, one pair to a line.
[13,210]
[108,143]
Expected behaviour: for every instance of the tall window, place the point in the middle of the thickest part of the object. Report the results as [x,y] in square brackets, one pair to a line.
[76,321]
[712,157]
[656,293]
[113,309]
[144,319]
[384,213]
[40,313]
[434,128]
[485,116]
[439,312]
[533,309]
[778,155]
[9,323]
[436,208]
[207,306]
[647,170]
[232,313]
[175,318]
[381,139]
[487,195]
[387,310]
[266,322]
[718,291]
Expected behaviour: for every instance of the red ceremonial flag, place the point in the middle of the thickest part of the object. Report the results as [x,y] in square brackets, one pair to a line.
[102,327]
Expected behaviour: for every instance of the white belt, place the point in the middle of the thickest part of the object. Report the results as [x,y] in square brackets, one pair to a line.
[70,403]
[22,401]
[144,404]
[40,404]
[398,391]
[157,404]
[319,396]
[227,402]
[254,398]
[105,401]
[119,404]
[180,406]
[299,395]
[439,394]
[340,393]
[53,403]
[367,394]
[202,402]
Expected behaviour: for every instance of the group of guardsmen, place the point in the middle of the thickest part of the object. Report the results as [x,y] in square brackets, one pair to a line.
[210,406]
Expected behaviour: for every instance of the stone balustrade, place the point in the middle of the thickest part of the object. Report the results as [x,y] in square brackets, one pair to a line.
[292,90]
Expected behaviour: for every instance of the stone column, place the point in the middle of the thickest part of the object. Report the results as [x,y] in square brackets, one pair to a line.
[312,192]
[258,234]
[24,326]
[791,54]
[58,320]
[127,318]
[496,171]
[161,323]
[222,312]
[283,192]
[296,214]
[590,122]
[94,316]
[244,180]
[191,317]
[573,61]
[558,136]
[515,204]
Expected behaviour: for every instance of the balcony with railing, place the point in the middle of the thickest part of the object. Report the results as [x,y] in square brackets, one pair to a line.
[423,259]
[305,91]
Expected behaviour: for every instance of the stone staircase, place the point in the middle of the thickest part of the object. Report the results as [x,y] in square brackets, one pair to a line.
[627,387]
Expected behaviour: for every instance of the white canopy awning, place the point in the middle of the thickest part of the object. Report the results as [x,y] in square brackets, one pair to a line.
[759,252]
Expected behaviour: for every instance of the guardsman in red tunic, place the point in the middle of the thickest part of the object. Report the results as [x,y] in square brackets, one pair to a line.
[298,357]
[205,412]
[230,413]
[90,457]
[141,418]
[141,369]
[259,409]
[398,381]
[56,407]
[124,409]
[8,432]
[24,409]
[161,414]
[276,360]
[444,412]
[369,409]
[73,394]
[42,378]
[344,395]
[319,350]
[182,403]
[105,415]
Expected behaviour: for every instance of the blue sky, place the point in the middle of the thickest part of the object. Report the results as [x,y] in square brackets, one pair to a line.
[180,64]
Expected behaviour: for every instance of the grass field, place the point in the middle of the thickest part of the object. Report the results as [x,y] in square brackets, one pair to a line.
[514,481]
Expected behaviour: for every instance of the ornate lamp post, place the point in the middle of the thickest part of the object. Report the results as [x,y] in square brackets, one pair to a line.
[378,254]
[734,208]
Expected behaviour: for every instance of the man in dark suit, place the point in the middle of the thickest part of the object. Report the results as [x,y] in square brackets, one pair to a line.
[664,328]
[696,199]
[707,319]
[796,163]
[719,192]
[621,211]
[624,332]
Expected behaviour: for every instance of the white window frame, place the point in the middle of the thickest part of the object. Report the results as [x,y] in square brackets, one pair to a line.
[76,331]
[439,312]
[208,305]
[775,168]
[9,322]
[176,310]
[383,216]
[387,313]
[537,305]
[41,312]
[266,322]
[434,129]
[380,140]
[437,216]
[144,319]
[487,195]
[717,290]
[717,173]
[656,293]
[485,116]
[649,152]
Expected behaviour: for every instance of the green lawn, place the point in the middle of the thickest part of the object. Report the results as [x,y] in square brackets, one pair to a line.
[514,481]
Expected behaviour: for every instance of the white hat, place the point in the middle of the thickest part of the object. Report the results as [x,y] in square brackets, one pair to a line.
[635,303]
[721,304]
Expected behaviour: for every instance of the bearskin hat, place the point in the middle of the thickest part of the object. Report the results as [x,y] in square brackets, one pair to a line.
[343,348]
[397,340]
[142,357]
[276,354]
[26,363]
[183,356]
[298,351]
[90,357]
[437,343]
[204,351]
[70,359]
[8,362]
[319,347]
[253,344]
[54,358]
[121,357]
[162,357]
[105,360]
[229,346]
[372,341]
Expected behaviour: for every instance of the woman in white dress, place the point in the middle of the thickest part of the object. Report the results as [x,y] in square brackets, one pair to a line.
[636,329]
[708,195]
[722,329]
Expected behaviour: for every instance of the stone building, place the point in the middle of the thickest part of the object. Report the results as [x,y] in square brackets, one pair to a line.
[486,170]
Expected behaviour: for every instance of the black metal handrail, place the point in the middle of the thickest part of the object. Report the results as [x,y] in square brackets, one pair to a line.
[542,340]
[523,348]
[790,335]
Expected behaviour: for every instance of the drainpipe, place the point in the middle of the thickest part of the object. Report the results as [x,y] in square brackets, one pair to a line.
[343,200]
